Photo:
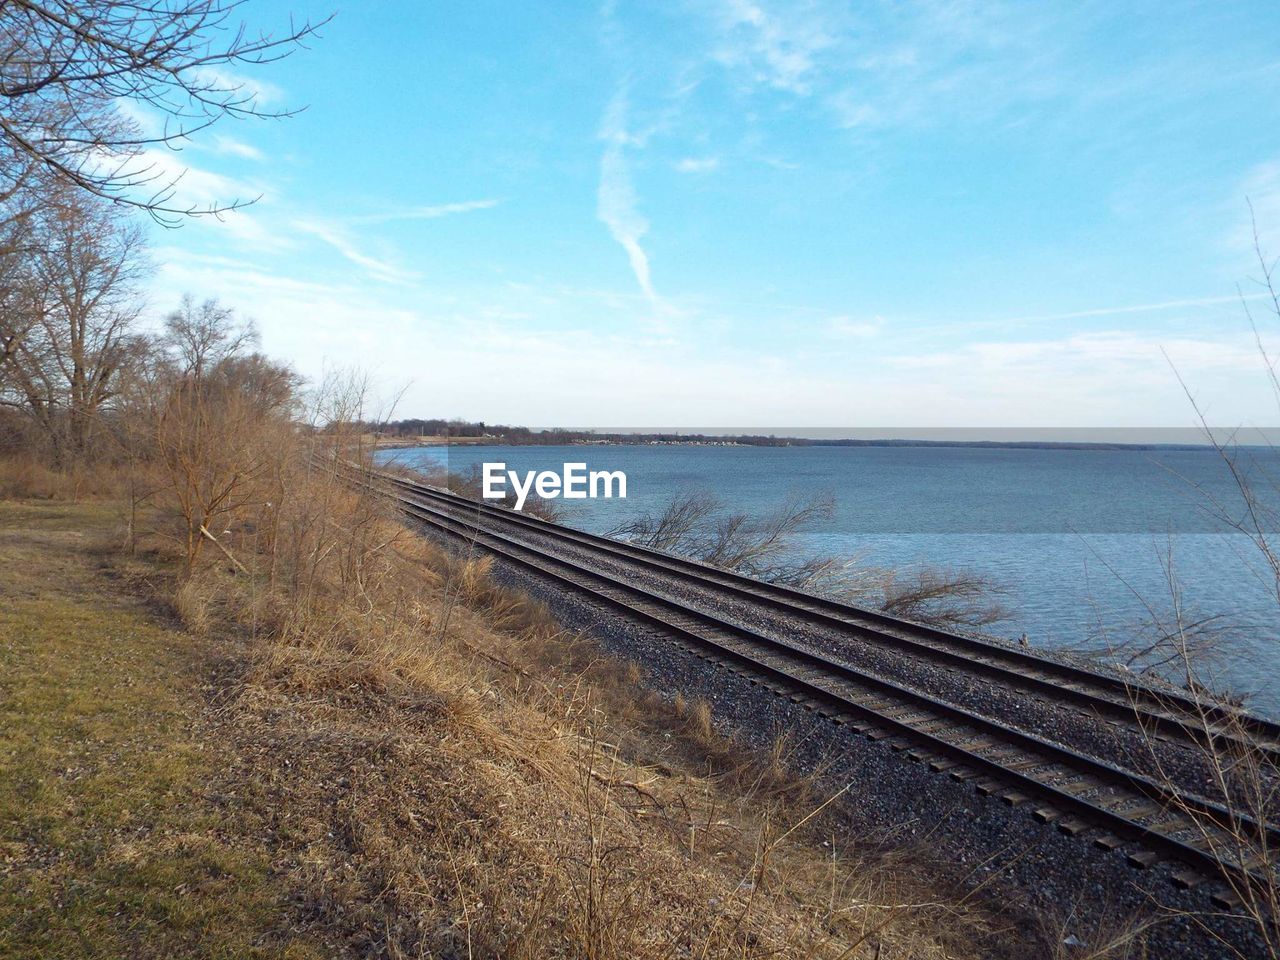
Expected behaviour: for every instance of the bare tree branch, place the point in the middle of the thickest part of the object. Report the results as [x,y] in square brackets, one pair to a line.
[68,66]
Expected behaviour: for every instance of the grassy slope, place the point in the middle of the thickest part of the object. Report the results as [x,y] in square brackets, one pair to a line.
[456,777]
[111,842]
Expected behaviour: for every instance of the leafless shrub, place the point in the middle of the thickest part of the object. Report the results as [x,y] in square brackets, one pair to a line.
[1240,772]
[697,525]
[223,425]
[955,598]
[1242,778]
[676,528]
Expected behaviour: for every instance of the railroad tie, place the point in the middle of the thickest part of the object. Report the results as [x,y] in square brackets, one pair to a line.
[1226,899]
[1142,859]
[1072,826]
[1076,786]
[1187,878]
[1142,810]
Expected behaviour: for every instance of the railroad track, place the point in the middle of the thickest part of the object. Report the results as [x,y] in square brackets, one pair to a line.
[1080,794]
[1166,714]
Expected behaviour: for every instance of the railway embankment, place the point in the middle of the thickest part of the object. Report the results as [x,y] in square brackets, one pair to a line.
[395,755]
[1051,784]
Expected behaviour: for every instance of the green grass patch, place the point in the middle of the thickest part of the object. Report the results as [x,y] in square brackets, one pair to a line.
[112,843]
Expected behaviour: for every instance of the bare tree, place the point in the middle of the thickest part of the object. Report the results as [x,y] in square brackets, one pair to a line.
[18,310]
[67,66]
[223,423]
[81,298]
[141,388]
[203,334]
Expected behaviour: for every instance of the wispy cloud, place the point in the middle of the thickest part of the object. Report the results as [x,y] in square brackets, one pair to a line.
[166,171]
[884,64]
[236,148]
[846,328]
[262,93]
[1111,356]
[780,48]
[698,164]
[428,212]
[1131,308]
[335,237]
[616,202]
[337,234]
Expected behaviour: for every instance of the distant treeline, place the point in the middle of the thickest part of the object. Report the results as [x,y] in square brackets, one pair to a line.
[505,434]
[502,433]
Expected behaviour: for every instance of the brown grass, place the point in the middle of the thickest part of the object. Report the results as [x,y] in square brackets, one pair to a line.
[458,775]
[438,768]
[25,476]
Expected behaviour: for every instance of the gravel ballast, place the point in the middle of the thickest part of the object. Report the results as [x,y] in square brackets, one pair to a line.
[1040,876]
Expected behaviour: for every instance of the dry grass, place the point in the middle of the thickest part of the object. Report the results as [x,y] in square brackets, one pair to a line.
[434,767]
[458,776]
[24,476]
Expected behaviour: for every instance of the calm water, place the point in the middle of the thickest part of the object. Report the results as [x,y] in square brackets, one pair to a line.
[1080,539]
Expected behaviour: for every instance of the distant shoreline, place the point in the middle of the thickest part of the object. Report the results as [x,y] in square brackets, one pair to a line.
[651,440]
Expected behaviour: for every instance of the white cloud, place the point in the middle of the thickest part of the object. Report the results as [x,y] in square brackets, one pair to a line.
[698,164]
[167,174]
[846,328]
[1107,359]
[616,203]
[1132,308]
[851,111]
[149,123]
[883,63]
[522,361]
[428,212]
[236,86]
[236,148]
[778,47]
[333,235]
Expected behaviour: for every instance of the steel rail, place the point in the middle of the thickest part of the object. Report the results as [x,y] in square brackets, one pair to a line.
[808,671]
[1109,696]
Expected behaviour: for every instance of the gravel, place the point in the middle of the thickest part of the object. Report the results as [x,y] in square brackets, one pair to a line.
[1026,709]
[1031,870]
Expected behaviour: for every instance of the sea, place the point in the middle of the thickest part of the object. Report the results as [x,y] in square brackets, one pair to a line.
[1091,549]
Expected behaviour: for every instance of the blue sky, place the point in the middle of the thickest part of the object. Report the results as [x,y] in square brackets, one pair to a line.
[757,214]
